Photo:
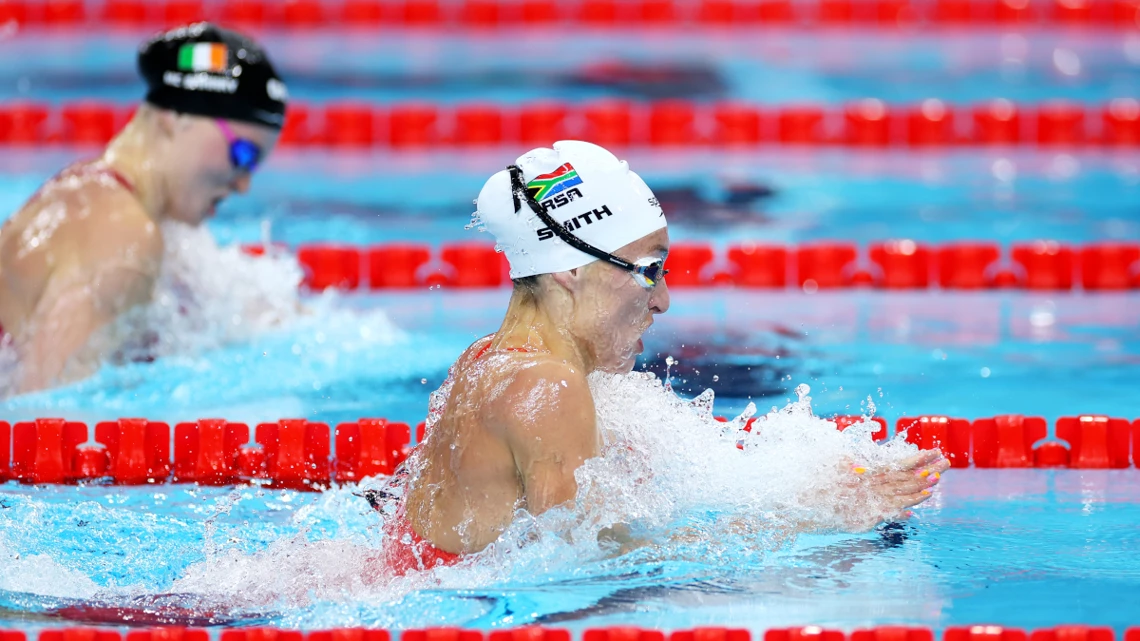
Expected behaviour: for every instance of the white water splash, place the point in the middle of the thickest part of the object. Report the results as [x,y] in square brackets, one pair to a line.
[669,470]
[42,575]
[207,297]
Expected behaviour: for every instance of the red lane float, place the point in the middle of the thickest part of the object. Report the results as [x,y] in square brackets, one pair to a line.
[800,125]
[80,634]
[1060,124]
[1048,264]
[687,263]
[529,634]
[892,633]
[950,435]
[868,123]
[441,634]
[807,633]
[485,14]
[825,265]
[43,451]
[997,123]
[328,266]
[1096,441]
[931,124]
[983,633]
[206,452]
[138,450]
[170,633]
[1074,633]
[758,265]
[736,125]
[897,264]
[904,264]
[967,265]
[475,265]
[350,634]
[296,453]
[1007,440]
[622,634]
[261,634]
[5,451]
[369,447]
[396,266]
[711,634]
[1110,266]
[1121,121]
[1051,454]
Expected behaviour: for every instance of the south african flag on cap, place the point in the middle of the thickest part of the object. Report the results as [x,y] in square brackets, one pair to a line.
[203,56]
[558,180]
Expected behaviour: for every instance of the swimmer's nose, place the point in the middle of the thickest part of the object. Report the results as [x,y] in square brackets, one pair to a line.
[241,183]
[659,300]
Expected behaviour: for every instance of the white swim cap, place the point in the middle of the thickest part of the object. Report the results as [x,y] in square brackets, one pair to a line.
[582,186]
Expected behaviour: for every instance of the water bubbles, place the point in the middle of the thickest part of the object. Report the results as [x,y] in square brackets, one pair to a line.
[802,391]
[985,372]
[716,378]
[423,381]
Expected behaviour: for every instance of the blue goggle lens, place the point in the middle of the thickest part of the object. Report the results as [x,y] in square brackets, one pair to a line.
[244,155]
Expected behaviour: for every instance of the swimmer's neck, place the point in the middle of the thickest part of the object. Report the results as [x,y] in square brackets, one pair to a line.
[131,153]
[538,325]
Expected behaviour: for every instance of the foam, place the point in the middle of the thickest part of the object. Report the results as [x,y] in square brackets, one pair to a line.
[695,501]
[209,297]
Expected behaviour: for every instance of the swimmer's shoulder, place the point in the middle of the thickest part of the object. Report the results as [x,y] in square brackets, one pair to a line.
[542,387]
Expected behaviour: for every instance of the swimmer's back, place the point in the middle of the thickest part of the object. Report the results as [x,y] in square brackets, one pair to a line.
[82,246]
[480,456]
[83,215]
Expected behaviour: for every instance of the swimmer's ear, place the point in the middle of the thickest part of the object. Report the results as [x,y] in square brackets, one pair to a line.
[168,121]
[567,279]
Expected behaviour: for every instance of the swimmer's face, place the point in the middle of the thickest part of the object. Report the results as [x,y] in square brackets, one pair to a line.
[612,310]
[199,173]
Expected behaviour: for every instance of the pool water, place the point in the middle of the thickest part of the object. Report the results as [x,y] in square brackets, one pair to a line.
[1027,548]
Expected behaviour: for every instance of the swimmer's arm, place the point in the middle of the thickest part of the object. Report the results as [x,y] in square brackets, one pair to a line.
[81,297]
[551,428]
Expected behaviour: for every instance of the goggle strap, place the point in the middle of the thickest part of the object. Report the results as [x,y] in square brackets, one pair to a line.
[518,193]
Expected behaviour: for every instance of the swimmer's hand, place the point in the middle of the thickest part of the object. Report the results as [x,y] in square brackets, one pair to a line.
[885,493]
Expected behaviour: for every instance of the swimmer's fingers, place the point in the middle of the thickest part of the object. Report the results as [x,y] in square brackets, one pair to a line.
[916,479]
[925,458]
[905,501]
[940,466]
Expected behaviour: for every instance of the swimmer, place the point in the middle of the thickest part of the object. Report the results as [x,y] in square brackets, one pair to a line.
[88,245]
[586,241]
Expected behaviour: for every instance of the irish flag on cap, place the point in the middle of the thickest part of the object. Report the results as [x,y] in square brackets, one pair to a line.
[203,56]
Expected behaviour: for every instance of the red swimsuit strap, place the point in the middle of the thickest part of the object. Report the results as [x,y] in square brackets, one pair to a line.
[99,168]
[119,178]
[487,348]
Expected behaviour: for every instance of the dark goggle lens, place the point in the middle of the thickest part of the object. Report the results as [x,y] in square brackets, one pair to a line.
[651,273]
[244,155]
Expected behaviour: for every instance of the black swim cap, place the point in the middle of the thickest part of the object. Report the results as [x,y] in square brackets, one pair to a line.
[205,70]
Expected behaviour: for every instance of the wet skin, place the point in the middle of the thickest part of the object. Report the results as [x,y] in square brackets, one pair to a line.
[85,248]
[516,425]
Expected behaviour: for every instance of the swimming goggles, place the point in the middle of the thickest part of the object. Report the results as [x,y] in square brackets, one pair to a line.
[646,272]
[244,154]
